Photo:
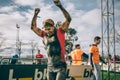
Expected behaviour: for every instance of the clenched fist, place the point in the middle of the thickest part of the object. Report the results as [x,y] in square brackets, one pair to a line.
[57,2]
[37,10]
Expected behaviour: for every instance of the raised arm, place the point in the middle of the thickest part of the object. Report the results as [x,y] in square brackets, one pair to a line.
[34,23]
[65,24]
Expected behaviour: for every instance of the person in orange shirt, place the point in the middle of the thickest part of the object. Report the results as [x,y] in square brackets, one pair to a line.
[95,58]
[77,55]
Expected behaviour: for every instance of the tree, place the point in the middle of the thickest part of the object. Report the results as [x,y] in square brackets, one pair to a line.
[70,38]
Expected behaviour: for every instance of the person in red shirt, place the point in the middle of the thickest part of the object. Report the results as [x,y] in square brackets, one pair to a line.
[38,57]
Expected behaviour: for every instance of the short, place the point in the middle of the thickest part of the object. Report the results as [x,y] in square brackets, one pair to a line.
[59,74]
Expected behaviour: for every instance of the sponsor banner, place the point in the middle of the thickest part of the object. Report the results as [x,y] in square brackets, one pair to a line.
[23,72]
[80,72]
[39,72]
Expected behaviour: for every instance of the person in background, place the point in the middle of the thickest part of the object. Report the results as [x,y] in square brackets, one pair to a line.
[38,57]
[14,59]
[76,55]
[95,59]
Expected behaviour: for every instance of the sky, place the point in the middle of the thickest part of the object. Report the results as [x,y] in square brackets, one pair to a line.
[86,19]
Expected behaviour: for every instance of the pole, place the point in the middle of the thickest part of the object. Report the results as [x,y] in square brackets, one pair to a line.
[18,43]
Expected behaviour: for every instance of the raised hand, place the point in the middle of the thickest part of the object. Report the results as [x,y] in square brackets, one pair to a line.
[37,10]
[57,2]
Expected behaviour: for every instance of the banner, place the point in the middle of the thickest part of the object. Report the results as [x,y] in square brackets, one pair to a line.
[80,72]
[22,72]
[39,72]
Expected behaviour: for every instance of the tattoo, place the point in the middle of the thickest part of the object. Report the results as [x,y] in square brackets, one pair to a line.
[39,29]
[33,22]
[32,26]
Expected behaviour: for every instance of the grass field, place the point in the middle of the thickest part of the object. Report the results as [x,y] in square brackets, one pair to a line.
[111,76]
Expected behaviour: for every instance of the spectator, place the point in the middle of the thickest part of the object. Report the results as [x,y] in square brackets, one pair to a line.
[95,59]
[38,57]
[14,59]
[77,55]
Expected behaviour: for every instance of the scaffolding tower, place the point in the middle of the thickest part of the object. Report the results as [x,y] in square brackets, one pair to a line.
[18,42]
[108,32]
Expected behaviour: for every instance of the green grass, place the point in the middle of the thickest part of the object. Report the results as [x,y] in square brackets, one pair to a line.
[112,75]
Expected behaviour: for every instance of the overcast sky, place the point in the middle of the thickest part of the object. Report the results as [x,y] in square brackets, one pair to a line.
[86,18]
